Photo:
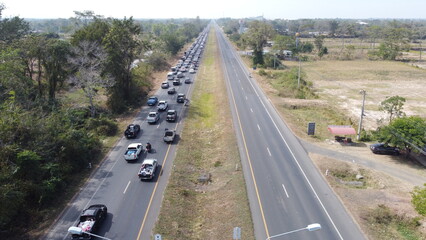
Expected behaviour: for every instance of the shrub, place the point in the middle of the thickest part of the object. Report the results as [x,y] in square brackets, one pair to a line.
[419,200]
[262,72]
[102,126]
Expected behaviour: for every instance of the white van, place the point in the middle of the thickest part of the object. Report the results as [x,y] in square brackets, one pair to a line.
[170,76]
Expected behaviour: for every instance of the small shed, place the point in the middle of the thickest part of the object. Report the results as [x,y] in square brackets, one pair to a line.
[341,130]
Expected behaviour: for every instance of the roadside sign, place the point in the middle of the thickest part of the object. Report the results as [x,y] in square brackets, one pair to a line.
[237,233]
[311,128]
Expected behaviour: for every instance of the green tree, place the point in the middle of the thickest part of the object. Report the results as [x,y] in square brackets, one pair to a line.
[395,41]
[393,106]
[256,37]
[333,26]
[55,63]
[12,28]
[93,32]
[406,133]
[122,46]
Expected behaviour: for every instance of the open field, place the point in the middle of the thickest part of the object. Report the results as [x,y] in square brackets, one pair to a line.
[339,83]
[190,209]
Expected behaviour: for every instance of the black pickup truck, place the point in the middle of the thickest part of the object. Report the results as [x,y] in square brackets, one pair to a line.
[90,220]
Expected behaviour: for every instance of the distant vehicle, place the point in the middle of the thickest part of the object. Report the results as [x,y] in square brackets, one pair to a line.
[171,116]
[192,70]
[171,90]
[180,98]
[187,80]
[162,106]
[179,75]
[170,76]
[148,169]
[165,85]
[152,101]
[169,135]
[132,131]
[176,82]
[133,151]
[90,220]
[381,148]
[153,117]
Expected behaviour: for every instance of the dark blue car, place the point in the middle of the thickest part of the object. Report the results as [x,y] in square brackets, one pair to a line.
[152,101]
[381,148]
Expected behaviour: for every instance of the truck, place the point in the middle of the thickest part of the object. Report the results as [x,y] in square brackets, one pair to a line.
[169,135]
[133,151]
[90,220]
[148,169]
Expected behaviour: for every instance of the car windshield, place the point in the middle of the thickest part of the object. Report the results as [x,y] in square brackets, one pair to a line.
[152,114]
[169,133]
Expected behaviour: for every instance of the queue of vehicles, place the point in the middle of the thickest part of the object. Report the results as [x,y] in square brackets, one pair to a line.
[92,217]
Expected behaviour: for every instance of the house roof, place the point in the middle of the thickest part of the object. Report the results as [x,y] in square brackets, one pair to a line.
[341,130]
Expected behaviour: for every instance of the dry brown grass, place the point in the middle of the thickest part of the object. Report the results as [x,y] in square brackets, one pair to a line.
[339,82]
[191,210]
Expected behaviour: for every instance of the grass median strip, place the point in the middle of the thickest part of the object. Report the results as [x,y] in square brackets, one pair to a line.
[192,209]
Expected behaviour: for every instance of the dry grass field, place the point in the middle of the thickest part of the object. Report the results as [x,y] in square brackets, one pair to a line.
[340,82]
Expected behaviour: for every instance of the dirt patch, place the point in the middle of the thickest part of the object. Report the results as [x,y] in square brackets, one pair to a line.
[380,189]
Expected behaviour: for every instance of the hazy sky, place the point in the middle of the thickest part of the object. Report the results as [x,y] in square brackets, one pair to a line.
[271,9]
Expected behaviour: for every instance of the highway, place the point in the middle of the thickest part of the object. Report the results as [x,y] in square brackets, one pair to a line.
[133,205]
[286,191]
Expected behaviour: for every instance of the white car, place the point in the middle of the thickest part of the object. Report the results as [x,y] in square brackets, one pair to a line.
[191,70]
[133,151]
[162,106]
[153,117]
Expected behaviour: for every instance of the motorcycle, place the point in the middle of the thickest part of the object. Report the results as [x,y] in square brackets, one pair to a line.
[148,147]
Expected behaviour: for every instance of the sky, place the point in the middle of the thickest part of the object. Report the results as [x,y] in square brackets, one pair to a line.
[270,9]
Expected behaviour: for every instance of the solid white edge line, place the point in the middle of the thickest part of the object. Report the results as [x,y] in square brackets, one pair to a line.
[125,189]
[285,190]
[269,152]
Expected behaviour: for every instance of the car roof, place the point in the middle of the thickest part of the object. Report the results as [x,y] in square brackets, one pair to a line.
[172,110]
[149,161]
[152,113]
[134,145]
[181,94]
[162,101]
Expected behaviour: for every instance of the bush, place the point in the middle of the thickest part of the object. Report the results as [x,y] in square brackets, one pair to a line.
[102,126]
[262,72]
[419,200]
[158,61]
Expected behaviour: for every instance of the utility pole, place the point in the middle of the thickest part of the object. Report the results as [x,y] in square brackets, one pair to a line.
[362,114]
[297,47]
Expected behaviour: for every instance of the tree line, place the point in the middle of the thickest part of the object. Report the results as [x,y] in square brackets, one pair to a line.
[387,38]
[45,140]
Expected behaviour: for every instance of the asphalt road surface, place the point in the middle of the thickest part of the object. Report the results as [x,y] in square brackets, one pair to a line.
[133,205]
[286,192]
